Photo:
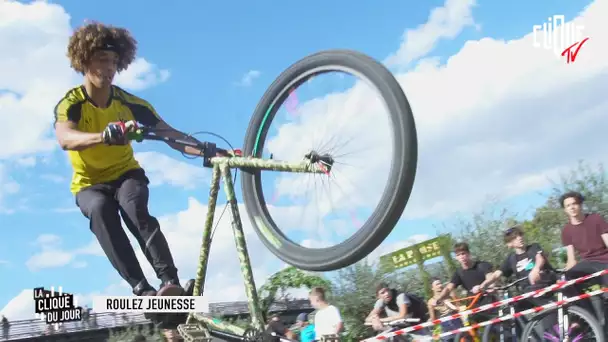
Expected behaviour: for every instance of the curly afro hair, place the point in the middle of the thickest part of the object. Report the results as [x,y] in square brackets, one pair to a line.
[88,38]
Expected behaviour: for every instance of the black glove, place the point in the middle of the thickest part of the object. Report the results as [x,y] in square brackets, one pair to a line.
[115,134]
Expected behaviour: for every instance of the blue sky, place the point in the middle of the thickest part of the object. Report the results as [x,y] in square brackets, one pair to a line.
[196,56]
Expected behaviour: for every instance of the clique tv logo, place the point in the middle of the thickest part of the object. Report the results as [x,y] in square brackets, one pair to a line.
[56,307]
[564,38]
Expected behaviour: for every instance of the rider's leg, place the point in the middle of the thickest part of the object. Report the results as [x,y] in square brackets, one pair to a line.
[132,196]
[593,304]
[97,203]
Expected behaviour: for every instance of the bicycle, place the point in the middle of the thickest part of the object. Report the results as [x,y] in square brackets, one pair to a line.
[401,324]
[564,329]
[507,330]
[470,335]
[251,162]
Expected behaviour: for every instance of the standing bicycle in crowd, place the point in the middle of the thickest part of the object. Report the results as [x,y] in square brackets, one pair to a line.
[107,179]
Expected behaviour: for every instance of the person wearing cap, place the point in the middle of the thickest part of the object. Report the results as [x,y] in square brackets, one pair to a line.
[92,122]
[526,260]
[307,330]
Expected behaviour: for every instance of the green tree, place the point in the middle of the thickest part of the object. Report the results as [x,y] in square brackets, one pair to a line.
[445,245]
[354,293]
[484,233]
[275,288]
[424,275]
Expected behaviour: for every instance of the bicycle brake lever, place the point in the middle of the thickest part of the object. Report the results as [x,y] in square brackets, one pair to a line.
[209,151]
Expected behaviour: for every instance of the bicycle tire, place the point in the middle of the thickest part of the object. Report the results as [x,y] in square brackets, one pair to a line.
[582,313]
[401,178]
[489,330]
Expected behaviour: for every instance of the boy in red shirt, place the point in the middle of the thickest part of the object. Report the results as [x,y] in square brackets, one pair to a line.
[585,234]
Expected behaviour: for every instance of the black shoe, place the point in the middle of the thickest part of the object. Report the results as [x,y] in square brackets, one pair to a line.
[144,289]
[189,288]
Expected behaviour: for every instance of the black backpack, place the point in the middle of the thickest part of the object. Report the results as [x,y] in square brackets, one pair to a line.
[419,308]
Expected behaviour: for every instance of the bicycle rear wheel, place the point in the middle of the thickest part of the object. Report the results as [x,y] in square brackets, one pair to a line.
[582,327]
[382,217]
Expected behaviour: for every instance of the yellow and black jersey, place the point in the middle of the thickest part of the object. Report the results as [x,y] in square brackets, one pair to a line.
[102,163]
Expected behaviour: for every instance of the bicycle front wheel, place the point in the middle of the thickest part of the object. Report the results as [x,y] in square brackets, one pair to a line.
[382,215]
[583,326]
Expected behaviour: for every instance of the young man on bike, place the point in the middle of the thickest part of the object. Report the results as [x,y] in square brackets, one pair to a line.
[394,305]
[587,235]
[107,179]
[525,260]
[530,261]
[470,276]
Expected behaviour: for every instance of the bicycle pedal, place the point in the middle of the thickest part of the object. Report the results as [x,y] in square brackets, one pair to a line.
[194,333]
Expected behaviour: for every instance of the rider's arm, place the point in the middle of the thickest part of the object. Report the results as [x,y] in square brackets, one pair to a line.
[604,230]
[378,306]
[540,261]
[71,139]
[431,309]
[571,257]
[289,334]
[491,278]
[167,131]
[402,303]
[447,290]
[505,270]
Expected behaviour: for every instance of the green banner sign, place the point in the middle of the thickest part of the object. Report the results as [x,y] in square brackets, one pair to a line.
[405,257]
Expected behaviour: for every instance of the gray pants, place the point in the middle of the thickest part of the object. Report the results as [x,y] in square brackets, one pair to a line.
[128,195]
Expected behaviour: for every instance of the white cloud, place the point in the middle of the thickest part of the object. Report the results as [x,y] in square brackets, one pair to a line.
[26,162]
[20,307]
[8,187]
[443,22]
[53,255]
[248,78]
[141,74]
[36,74]
[163,169]
[55,178]
[499,118]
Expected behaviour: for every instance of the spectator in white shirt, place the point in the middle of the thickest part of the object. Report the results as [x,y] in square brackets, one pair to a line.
[327,320]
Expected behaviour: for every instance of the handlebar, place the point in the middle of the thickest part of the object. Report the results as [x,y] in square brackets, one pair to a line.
[208,149]
[398,321]
[504,287]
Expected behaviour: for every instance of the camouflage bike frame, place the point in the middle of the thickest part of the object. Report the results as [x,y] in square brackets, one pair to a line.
[198,325]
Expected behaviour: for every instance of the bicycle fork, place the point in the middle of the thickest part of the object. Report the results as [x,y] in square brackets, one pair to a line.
[562,320]
[512,324]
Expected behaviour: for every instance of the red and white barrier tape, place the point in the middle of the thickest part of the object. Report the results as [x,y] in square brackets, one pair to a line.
[536,293]
[522,313]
